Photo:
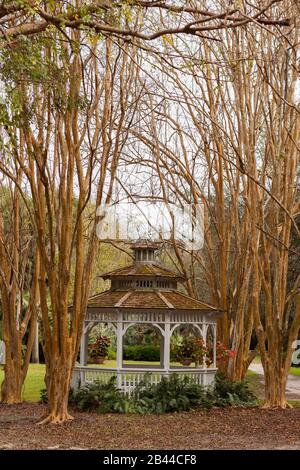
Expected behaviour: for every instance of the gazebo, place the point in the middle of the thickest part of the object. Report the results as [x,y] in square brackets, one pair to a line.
[146,293]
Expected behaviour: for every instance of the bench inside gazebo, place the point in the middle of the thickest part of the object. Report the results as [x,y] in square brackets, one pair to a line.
[146,293]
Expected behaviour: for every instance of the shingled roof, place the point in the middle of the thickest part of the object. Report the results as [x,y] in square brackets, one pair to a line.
[142,292]
[153,299]
[143,269]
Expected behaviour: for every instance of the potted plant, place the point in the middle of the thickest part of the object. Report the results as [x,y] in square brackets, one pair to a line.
[190,349]
[184,350]
[99,349]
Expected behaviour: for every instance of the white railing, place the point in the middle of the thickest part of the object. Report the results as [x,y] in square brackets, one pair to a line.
[127,378]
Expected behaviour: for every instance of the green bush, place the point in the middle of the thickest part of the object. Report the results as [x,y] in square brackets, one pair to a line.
[149,353]
[171,394]
[44,396]
[142,353]
[182,394]
[111,355]
[101,397]
[228,393]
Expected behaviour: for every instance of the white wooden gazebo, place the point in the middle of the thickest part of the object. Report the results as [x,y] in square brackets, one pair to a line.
[146,293]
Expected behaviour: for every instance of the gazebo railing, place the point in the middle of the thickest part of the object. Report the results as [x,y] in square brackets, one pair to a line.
[127,379]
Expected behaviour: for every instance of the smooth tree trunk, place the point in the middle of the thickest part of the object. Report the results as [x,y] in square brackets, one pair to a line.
[58,380]
[275,385]
[11,388]
[67,266]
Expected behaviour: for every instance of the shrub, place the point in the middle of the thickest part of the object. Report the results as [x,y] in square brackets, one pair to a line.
[111,355]
[44,396]
[228,393]
[171,394]
[142,353]
[101,397]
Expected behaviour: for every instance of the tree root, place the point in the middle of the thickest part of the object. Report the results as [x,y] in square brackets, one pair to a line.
[284,406]
[11,401]
[56,419]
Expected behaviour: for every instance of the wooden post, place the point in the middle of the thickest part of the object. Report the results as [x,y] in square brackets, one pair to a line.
[162,349]
[120,333]
[167,343]
[215,345]
[84,346]
[35,355]
[204,333]
[119,345]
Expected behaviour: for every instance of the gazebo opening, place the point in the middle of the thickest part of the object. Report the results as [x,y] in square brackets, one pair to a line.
[188,346]
[146,295]
[143,346]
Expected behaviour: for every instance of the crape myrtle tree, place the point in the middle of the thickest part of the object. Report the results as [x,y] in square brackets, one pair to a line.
[233,109]
[47,94]
[159,18]
[184,156]
[71,106]
[19,270]
[274,204]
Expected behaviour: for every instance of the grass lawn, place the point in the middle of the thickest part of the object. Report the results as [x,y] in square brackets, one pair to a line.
[250,373]
[34,382]
[112,363]
[293,370]
[256,360]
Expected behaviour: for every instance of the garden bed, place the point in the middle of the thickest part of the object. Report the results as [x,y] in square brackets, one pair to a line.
[230,428]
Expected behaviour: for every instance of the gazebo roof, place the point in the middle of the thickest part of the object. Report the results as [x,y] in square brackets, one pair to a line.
[143,269]
[146,285]
[153,299]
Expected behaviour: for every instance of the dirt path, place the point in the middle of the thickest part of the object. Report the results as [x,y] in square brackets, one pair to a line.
[230,428]
[293,382]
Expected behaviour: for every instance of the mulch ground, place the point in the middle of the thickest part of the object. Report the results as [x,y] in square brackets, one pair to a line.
[230,428]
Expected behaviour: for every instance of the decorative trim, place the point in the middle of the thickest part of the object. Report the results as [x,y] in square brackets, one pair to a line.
[165,300]
[118,304]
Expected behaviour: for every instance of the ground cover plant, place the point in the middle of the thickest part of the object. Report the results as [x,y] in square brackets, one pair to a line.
[172,394]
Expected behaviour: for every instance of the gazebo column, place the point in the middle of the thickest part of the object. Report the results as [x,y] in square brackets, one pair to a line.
[162,350]
[204,336]
[84,346]
[167,342]
[215,345]
[119,343]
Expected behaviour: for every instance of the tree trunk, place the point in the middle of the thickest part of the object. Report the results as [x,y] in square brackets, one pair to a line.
[275,385]
[58,379]
[11,388]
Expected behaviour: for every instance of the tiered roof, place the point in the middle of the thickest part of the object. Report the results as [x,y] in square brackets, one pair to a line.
[143,269]
[146,284]
[152,299]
